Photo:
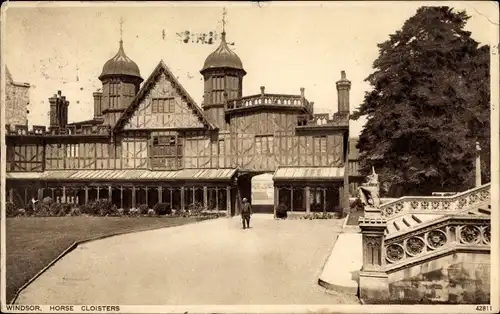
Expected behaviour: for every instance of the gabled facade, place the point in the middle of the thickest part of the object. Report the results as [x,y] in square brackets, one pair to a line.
[152,143]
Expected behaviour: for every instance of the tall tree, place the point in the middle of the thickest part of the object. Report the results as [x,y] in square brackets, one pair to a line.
[428,106]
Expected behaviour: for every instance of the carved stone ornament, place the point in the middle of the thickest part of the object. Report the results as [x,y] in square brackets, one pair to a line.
[399,207]
[484,195]
[394,253]
[462,202]
[414,204]
[487,234]
[446,204]
[372,241]
[436,239]
[424,205]
[473,198]
[435,205]
[414,246]
[469,234]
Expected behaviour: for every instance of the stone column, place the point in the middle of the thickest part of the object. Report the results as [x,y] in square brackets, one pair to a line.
[86,200]
[373,280]
[183,206]
[194,196]
[291,199]
[133,196]
[147,196]
[53,195]
[171,198]
[110,193]
[324,200]
[228,200]
[307,198]
[121,196]
[63,195]
[160,194]
[98,189]
[205,198]
[217,199]
[11,195]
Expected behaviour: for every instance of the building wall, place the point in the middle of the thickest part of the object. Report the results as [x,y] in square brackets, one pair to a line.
[265,140]
[16,101]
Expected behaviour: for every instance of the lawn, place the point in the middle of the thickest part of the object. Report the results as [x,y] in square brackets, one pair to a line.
[33,242]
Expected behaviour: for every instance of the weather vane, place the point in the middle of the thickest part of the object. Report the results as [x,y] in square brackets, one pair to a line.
[224,13]
[121,29]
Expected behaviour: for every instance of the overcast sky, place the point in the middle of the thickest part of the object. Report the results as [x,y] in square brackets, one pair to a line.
[283,46]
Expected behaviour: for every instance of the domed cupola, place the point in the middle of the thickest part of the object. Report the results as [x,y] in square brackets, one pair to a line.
[120,65]
[121,80]
[223,57]
[223,75]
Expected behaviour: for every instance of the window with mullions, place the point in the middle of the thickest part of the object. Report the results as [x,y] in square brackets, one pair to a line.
[163,105]
[166,152]
[264,144]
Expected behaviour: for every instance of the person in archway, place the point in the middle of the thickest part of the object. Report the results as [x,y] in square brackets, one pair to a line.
[246,213]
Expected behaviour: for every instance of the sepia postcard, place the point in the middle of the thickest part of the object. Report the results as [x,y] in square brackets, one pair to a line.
[250,157]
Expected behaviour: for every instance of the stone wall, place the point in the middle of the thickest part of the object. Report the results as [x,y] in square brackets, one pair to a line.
[16,101]
[460,278]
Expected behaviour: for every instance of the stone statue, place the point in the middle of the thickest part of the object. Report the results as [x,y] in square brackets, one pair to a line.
[368,192]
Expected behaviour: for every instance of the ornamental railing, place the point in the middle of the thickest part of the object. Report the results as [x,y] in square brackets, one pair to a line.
[39,130]
[445,235]
[269,99]
[323,119]
[437,204]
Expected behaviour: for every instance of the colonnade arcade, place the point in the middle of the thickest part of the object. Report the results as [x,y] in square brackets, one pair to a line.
[309,197]
[212,196]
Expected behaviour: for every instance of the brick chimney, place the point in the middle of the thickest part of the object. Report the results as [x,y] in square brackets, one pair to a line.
[58,110]
[343,88]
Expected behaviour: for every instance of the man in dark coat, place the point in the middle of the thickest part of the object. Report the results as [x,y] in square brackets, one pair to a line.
[246,212]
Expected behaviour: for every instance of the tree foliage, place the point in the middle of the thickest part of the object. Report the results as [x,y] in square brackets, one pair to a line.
[428,106]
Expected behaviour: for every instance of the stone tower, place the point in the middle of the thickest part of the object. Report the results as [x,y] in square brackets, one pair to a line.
[223,75]
[121,80]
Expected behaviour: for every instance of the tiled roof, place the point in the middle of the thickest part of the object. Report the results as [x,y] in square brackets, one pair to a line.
[308,173]
[144,175]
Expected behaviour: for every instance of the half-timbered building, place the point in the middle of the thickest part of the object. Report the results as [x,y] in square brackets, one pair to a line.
[149,142]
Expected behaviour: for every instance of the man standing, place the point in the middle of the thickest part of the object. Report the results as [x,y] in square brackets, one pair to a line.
[246,212]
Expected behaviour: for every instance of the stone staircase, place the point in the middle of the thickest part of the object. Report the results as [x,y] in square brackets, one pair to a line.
[428,249]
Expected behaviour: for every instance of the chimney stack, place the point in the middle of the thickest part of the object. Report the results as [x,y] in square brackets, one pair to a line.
[302,91]
[58,110]
[343,88]
[262,90]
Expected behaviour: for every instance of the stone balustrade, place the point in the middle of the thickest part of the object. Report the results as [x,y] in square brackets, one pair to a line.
[68,130]
[268,99]
[436,204]
[448,232]
[323,119]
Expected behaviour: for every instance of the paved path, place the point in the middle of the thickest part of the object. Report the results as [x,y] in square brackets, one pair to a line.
[211,262]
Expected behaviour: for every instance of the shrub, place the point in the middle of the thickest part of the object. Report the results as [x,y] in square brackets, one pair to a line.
[162,209]
[134,212]
[42,210]
[66,210]
[281,211]
[120,211]
[75,211]
[195,208]
[10,209]
[21,212]
[47,200]
[151,212]
[29,209]
[103,207]
[143,209]
[54,210]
